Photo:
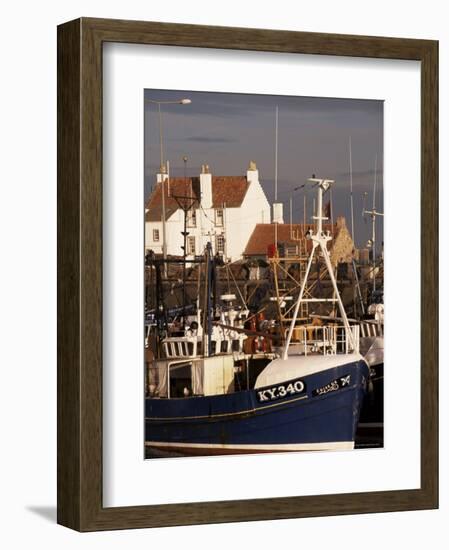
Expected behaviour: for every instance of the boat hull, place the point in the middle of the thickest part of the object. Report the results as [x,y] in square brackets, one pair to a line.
[316,412]
[373,406]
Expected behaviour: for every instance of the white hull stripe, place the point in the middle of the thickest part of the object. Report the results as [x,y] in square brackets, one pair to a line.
[327,446]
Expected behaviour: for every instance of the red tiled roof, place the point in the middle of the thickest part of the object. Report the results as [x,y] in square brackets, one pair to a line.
[229,190]
[263,236]
[226,190]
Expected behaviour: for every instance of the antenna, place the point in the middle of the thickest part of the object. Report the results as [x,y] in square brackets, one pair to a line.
[276,175]
[375,183]
[332,209]
[350,187]
[276,156]
[291,215]
[168,178]
[373,213]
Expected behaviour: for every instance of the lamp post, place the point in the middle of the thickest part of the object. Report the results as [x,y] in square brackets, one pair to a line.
[184,101]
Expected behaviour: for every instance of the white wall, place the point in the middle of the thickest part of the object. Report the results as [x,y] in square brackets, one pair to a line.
[28,276]
[240,222]
[174,228]
[150,244]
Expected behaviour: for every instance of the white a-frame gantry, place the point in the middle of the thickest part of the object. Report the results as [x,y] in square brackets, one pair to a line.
[319,244]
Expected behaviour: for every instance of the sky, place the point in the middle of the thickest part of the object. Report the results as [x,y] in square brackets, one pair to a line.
[227,131]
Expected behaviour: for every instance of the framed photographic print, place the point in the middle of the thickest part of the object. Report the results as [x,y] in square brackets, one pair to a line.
[247,232]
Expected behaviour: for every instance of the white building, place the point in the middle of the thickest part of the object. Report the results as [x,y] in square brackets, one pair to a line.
[225,211]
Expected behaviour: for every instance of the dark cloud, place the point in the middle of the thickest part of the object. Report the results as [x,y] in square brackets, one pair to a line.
[226,131]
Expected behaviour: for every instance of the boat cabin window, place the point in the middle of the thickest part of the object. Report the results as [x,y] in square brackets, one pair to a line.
[224,346]
[181,380]
[235,345]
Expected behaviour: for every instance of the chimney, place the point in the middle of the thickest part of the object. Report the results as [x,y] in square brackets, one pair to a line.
[162,174]
[206,186]
[278,212]
[252,174]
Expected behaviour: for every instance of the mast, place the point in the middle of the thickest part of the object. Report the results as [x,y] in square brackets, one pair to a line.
[185,203]
[357,290]
[374,224]
[211,289]
[206,313]
[319,241]
[164,232]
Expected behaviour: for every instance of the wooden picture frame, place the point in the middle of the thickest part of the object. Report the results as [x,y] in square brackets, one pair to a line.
[80,504]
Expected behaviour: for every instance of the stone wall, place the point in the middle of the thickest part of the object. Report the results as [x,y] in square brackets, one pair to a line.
[342,245]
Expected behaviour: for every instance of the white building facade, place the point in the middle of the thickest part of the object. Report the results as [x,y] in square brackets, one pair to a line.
[224,211]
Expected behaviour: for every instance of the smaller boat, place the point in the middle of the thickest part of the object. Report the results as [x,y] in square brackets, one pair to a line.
[372,348]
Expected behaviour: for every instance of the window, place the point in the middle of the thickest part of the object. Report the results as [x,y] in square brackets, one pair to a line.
[220,244]
[219,217]
[191,218]
[191,246]
[156,235]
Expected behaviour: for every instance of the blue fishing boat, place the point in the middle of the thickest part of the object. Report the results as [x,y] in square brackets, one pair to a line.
[209,398]
[310,406]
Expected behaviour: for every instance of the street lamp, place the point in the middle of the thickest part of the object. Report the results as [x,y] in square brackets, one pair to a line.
[184,101]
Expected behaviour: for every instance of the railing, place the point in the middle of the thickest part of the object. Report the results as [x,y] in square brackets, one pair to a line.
[190,346]
[371,329]
[180,346]
[327,340]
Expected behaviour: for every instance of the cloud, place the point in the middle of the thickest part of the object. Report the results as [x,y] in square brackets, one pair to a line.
[227,130]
